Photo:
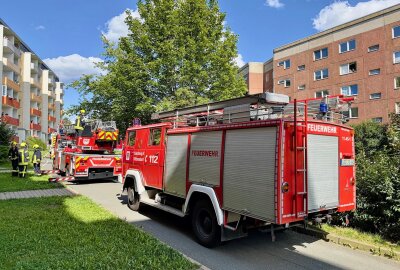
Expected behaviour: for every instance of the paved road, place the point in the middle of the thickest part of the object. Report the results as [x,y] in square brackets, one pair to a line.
[290,251]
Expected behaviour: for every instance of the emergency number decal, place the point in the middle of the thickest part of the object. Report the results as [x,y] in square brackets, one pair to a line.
[347,162]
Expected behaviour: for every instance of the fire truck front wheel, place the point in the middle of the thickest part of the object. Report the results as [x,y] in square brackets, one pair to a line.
[133,199]
[205,225]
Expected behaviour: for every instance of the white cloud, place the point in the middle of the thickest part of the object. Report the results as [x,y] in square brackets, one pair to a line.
[239,60]
[274,3]
[40,27]
[342,11]
[116,26]
[72,67]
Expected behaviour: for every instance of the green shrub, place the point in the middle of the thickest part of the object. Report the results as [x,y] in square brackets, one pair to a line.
[33,140]
[5,134]
[4,153]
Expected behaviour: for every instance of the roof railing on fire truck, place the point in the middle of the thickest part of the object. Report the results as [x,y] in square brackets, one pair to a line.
[258,107]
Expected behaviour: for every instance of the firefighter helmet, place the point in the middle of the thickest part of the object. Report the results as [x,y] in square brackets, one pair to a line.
[23,144]
[35,146]
[13,143]
[82,111]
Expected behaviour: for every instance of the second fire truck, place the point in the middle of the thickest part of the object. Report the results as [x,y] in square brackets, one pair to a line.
[243,163]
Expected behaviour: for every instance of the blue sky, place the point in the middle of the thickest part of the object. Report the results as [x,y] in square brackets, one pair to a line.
[67,33]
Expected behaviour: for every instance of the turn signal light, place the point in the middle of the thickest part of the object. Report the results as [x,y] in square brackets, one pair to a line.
[285,187]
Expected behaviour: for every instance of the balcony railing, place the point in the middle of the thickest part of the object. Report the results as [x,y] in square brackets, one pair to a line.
[52,107]
[52,118]
[8,63]
[10,83]
[36,98]
[10,120]
[51,130]
[36,112]
[8,44]
[12,102]
[36,127]
[36,83]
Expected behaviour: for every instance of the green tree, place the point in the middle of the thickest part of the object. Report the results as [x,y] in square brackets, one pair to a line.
[179,53]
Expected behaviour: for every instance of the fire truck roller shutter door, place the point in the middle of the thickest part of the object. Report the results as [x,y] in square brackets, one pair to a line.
[323,172]
[176,159]
[205,157]
[249,172]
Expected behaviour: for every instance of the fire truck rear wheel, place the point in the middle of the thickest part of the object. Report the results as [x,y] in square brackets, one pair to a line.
[205,225]
[133,199]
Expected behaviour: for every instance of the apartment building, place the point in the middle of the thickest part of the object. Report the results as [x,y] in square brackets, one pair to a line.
[360,58]
[32,95]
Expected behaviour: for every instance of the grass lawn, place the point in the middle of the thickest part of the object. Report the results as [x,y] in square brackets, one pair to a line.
[359,236]
[9,183]
[75,233]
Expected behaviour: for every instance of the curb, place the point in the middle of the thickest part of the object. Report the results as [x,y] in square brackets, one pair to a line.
[375,250]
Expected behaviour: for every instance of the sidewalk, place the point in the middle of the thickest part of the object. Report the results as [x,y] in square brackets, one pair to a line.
[36,193]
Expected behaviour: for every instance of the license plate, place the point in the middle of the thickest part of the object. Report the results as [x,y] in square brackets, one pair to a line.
[347,162]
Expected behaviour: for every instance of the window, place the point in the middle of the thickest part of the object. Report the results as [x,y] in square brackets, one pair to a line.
[286,82]
[348,68]
[397,107]
[301,87]
[376,71]
[373,48]
[377,119]
[322,93]
[155,136]
[4,90]
[321,74]
[347,46]
[352,113]
[321,54]
[131,138]
[285,64]
[349,90]
[396,31]
[302,67]
[397,83]
[375,96]
[396,57]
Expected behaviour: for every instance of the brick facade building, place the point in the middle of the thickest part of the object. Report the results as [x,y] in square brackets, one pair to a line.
[360,58]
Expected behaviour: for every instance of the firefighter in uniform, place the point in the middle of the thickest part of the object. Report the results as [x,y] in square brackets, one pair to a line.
[23,159]
[79,122]
[36,158]
[13,156]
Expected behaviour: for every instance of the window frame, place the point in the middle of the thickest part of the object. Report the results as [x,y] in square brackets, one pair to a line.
[129,138]
[394,57]
[301,87]
[397,107]
[347,46]
[348,68]
[371,50]
[324,93]
[151,137]
[301,69]
[284,82]
[283,64]
[350,90]
[397,26]
[351,113]
[375,119]
[373,74]
[322,74]
[397,79]
[321,54]
[374,98]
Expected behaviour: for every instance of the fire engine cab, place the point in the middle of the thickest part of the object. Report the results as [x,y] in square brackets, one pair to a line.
[243,163]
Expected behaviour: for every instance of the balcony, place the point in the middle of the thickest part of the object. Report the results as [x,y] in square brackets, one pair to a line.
[34,68]
[36,98]
[8,63]
[9,47]
[52,118]
[35,127]
[10,83]
[36,83]
[10,120]
[51,130]
[52,107]
[36,112]
[11,102]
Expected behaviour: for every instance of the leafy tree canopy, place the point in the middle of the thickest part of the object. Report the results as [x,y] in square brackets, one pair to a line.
[178,53]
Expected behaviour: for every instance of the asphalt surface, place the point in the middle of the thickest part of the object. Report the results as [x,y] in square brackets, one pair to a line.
[290,251]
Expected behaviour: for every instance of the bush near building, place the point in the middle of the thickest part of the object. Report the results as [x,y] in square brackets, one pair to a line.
[31,141]
[378,179]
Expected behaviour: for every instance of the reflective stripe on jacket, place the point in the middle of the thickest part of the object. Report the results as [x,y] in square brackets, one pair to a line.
[37,156]
[23,157]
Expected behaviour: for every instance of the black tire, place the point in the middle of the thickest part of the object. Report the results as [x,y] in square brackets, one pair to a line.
[133,199]
[205,225]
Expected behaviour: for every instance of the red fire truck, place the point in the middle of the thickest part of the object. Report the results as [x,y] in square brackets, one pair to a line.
[243,163]
[89,153]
